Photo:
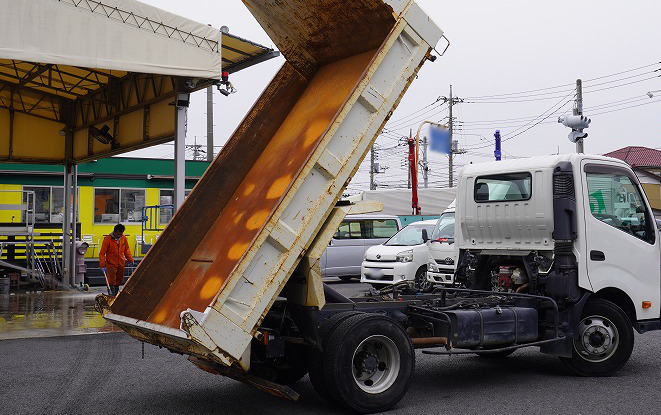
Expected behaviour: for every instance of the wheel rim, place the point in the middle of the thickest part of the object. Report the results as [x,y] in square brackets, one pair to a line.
[423,282]
[375,364]
[598,339]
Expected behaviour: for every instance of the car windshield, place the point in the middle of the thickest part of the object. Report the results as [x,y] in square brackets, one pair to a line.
[409,236]
[444,227]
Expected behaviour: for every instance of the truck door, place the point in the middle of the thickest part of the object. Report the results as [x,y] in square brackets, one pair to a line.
[622,244]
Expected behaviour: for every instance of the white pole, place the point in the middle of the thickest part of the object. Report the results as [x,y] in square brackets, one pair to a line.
[180,157]
[66,227]
[74,215]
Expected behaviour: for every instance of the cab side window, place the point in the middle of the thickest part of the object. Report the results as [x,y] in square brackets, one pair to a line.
[615,199]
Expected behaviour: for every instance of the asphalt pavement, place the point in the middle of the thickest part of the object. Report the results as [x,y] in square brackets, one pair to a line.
[105,373]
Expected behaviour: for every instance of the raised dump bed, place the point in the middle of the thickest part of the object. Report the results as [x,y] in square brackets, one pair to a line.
[213,274]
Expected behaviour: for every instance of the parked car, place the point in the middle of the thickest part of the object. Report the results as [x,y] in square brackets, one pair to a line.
[441,262]
[401,258]
[357,233]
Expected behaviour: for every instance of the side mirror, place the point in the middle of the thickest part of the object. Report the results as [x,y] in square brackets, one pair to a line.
[425,236]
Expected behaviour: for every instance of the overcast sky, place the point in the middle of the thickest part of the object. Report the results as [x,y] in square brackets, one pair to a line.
[498,48]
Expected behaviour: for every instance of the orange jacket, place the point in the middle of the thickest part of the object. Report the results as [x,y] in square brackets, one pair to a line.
[114,252]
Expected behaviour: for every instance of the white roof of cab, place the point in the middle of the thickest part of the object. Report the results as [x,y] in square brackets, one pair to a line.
[532,163]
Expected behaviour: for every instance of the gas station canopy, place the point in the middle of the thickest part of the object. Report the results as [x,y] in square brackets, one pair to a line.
[83,79]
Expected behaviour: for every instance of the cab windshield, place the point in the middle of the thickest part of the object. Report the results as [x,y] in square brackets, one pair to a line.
[444,227]
[409,236]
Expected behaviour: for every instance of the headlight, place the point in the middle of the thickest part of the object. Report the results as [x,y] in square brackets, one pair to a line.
[365,257]
[405,256]
[432,267]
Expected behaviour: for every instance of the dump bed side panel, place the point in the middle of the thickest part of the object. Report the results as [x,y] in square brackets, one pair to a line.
[234,231]
[201,208]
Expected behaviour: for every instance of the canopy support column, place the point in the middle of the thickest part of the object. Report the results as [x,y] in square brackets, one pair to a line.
[180,156]
[73,217]
[66,228]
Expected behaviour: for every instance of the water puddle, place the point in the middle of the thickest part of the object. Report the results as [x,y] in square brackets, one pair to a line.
[50,313]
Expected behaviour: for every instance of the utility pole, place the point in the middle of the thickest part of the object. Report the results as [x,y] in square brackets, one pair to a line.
[425,166]
[450,156]
[577,121]
[451,100]
[372,186]
[578,110]
[210,123]
[409,160]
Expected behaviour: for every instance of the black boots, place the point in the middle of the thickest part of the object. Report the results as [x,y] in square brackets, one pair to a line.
[114,289]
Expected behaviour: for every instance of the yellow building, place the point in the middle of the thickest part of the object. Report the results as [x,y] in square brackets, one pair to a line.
[113,190]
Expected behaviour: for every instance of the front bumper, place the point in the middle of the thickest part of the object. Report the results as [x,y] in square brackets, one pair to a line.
[387,272]
[441,276]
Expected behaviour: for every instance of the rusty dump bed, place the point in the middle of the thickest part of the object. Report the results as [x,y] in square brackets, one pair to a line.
[239,234]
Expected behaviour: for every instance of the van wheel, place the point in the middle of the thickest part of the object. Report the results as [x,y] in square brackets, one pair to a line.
[368,363]
[605,340]
[421,281]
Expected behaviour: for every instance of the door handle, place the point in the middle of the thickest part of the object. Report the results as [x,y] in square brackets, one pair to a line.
[597,256]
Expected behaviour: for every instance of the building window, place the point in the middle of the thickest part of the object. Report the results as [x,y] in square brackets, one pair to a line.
[106,205]
[166,197]
[132,202]
[118,205]
[41,203]
[49,203]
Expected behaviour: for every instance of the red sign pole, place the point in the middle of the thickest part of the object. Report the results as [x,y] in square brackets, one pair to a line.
[414,176]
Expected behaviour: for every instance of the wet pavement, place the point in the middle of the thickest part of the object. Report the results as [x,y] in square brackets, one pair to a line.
[50,313]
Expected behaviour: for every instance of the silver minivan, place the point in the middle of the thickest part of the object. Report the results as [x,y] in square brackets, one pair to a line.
[354,236]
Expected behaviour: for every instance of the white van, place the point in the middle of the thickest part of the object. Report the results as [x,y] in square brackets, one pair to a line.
[441,255]
[356,233]
[402,258]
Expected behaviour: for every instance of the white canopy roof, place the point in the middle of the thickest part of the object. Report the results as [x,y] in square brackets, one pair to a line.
[124,35]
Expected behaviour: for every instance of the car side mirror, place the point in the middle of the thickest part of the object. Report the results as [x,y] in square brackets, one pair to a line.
[425,236]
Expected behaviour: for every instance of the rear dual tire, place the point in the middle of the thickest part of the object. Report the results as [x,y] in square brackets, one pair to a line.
[367,363]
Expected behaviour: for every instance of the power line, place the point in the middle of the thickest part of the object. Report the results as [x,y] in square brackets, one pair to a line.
[562,103]
[561,86]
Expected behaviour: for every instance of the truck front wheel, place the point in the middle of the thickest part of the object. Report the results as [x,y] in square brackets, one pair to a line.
[605,340]
[368,363]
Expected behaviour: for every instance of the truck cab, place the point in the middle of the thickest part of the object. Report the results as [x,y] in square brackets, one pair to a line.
[575,228]
[441,258]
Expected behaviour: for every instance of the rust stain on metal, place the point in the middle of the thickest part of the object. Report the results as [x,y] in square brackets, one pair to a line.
[231,235]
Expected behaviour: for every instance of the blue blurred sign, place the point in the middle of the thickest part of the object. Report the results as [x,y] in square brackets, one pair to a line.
[439,140]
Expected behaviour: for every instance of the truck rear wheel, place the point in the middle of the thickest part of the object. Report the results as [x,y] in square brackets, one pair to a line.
[315,356]
[368,363]
[605,340]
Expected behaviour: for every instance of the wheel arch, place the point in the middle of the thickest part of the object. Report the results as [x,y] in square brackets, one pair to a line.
[621,299]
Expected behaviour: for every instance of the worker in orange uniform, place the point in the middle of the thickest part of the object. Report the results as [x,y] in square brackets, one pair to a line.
[113,256]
